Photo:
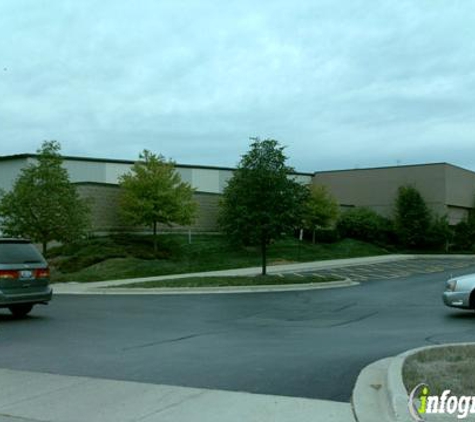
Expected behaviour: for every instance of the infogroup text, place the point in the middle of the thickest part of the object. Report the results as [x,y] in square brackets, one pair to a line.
[422,403]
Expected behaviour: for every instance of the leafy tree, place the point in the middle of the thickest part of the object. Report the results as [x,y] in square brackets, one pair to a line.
[153,193]
[261,201]
[321,209]
[43,204]
[413,218]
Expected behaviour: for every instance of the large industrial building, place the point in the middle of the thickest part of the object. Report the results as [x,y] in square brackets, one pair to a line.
[97,180]
[446,188]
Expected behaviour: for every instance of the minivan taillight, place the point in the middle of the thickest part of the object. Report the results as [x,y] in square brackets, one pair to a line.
[42,273]
[9,274]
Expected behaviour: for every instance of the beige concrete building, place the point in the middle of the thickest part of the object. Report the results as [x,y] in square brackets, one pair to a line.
[97,180]
[447,189]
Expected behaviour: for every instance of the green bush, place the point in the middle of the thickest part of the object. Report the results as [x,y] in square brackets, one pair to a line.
[327,235]
[365,224]
[413,218]
[320,235]
[79,255]
[464,235]
[439,234]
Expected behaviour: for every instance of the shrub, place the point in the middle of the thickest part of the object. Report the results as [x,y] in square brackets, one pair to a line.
[439,234]
[327,235]
[464,235]
[76,256]
[365,224]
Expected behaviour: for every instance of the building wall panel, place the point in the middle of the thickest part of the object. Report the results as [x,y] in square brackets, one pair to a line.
[377,188]
[9,171]
[460,188]
[105,213]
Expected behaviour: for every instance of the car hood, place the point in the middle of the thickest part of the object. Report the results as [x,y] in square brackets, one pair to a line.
[464,277]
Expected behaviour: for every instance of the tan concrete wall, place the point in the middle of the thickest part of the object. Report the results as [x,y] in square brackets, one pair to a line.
[460,192]
[377,188]
[104,200]
[9,171]
[460,187]
[456,214]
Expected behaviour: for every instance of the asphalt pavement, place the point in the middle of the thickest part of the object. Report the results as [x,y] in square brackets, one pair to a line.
[307,344]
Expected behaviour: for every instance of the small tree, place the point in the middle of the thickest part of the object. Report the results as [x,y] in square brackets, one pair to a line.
[413,218]
[321,209]
[261,201]
[153,193]
[43,204]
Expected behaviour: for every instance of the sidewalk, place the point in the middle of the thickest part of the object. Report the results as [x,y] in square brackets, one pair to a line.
[100,286]
[35,397]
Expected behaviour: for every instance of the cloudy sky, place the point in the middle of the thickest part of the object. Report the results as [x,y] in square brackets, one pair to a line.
[341,84]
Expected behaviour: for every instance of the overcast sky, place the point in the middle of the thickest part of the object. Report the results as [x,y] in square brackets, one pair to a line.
[341,84]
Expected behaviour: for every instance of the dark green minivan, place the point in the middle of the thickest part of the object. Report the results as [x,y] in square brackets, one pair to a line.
[24,276]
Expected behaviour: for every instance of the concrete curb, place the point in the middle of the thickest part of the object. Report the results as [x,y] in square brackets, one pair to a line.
[380,394]
[212,290]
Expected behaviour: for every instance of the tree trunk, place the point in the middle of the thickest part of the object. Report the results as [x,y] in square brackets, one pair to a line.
[264,254]
[44,246]
[155,237]
[313,236]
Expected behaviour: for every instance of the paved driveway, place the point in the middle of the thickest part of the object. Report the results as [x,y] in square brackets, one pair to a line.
[309,344]
[398,269]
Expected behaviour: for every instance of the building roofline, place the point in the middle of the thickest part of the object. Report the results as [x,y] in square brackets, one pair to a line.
[119,161]
[394,167]
[104,160]
[15,157]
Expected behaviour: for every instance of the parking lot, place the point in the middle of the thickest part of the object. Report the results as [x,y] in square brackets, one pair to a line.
[398,269]
[308,343]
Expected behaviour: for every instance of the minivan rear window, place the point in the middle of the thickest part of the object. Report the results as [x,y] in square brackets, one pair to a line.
[19,253]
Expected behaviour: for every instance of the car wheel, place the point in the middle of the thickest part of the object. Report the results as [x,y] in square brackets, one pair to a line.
[20,311]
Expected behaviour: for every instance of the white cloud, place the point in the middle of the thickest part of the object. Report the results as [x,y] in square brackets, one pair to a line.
[373,82]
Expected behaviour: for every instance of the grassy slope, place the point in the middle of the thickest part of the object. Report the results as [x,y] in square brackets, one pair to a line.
[131,256]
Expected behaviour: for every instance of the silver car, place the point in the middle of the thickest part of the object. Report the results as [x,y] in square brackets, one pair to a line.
[24,276]
[460,292]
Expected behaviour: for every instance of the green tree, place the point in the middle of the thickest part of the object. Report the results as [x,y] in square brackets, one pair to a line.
[153,193]
[413,217]
[43,204]
[261,201]
[321,209]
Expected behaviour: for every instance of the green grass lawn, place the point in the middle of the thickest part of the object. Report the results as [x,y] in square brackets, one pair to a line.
[129,256]
[234,281]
